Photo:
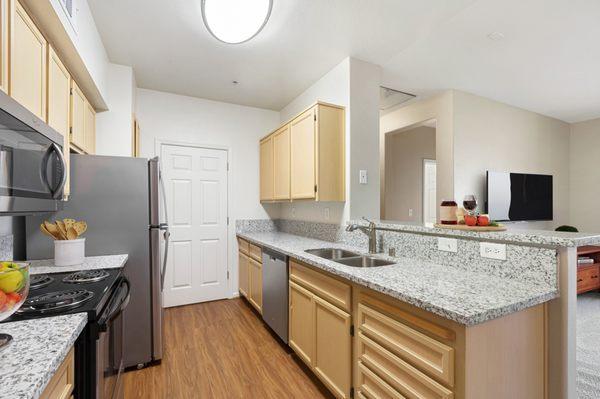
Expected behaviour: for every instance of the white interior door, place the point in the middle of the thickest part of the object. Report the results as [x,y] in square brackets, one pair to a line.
[429,191]
[196,193]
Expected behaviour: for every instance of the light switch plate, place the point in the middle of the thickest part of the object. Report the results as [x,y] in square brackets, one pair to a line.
[447,244]
[363,179]
[492,251]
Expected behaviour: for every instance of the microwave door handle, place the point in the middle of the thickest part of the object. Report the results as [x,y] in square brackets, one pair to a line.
[44,168]
[63,179]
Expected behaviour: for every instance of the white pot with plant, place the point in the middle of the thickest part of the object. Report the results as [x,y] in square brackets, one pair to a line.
[69,247]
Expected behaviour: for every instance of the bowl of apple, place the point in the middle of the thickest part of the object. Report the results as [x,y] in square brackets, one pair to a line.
[14,287]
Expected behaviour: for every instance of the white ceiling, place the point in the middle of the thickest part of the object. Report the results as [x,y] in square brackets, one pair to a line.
[548,61]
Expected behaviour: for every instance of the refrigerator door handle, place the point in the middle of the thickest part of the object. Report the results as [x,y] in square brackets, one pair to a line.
[165,227]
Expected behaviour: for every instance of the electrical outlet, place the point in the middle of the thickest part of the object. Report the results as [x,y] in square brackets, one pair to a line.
[326,214]
[492,251]
[447,244]
[410,213]
[293,211]
[363,179]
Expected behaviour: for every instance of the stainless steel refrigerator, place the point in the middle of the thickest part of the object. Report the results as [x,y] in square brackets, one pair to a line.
[120,199]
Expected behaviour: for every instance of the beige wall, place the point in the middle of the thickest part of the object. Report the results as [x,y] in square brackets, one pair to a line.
[585,176]
[489,135]
[404,155]
[440,109]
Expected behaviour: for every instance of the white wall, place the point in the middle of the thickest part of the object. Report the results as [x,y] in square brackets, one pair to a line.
[87,41]
[489,135]
[584,212]
[173,117]
[353,84]
[365,79]
[114,127]
[404,155]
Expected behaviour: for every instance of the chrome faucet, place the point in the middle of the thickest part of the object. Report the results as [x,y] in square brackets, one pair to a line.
[370,231]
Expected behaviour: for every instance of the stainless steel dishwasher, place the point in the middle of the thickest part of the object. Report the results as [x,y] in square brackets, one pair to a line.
[275,292]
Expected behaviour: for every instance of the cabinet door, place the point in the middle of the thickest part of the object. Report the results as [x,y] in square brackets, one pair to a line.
[333,343]
[77,117]
[302,130]
[255,297]
[89,128]
[59,107]
[266,169]
[281,163]
[27,62]
[4,18]
[244,276]
[302,323]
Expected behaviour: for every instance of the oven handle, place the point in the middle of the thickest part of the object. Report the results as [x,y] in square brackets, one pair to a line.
[116,306]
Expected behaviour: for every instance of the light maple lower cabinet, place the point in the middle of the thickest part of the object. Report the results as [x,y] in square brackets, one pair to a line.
[319,331]
[63,382]
[244,274]
[250,273]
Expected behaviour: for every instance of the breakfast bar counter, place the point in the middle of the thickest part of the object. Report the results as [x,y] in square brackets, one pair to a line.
[38,349]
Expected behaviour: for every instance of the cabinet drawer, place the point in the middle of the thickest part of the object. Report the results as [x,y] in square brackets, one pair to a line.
[334,291]
[399,374]
[255,252]
[62,384]
[418,349]
[243,246]
[372,387]
[588,278]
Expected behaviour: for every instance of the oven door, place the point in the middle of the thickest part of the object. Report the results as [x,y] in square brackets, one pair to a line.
[109,346]
[33,171]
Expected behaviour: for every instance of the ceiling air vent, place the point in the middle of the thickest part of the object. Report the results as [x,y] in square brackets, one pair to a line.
[390,97]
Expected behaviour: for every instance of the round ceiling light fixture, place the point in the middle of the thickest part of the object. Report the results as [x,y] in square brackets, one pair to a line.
[235,21]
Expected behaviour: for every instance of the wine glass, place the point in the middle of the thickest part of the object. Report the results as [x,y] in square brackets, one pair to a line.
[14,287]
[470,203]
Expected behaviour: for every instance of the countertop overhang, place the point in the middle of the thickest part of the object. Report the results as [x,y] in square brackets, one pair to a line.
[466,297]
[90,263]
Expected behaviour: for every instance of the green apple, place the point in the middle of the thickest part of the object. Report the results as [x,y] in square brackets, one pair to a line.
[11,281]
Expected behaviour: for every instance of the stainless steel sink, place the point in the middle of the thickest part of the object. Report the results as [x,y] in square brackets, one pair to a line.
[364,261]
[331,253]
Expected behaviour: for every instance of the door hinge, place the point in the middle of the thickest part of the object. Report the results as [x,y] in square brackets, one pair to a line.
[228,166]
[352,330]
[352,392]
[227,220]
[315,188]
[227,274]
[71,132]
[71,91]
[315,117]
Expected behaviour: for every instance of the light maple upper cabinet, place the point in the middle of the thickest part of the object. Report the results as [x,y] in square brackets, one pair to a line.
[77,118]
[59,108]
[303,144]
[266,169]
[316,162]
[89,128]
[281,163]
[28,65]
[4,34]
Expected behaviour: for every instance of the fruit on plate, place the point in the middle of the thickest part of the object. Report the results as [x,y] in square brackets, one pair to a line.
[471,220]
[483,220]
[11,277]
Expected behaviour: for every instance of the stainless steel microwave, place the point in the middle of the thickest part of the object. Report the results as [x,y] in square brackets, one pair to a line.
[33,172]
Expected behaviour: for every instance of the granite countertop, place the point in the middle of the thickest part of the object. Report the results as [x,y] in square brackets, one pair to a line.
[38,348]
[90,263]
[466,297]
[546,238]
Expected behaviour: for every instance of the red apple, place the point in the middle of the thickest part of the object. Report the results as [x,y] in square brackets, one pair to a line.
[471,220]
[483,220]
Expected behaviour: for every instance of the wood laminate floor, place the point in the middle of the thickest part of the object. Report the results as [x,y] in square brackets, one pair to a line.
[222,350]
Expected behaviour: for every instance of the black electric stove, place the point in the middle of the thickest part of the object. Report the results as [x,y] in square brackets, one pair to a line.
[68,293]
[103,294]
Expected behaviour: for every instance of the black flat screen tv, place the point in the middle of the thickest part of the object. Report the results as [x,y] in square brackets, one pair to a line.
[519,196]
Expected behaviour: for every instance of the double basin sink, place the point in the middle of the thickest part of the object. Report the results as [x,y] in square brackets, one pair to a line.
[348,258]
